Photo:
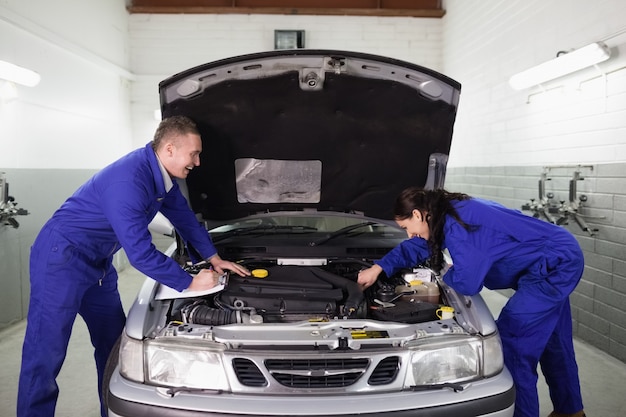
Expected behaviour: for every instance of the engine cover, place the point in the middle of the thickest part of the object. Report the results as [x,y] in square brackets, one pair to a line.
[292,290]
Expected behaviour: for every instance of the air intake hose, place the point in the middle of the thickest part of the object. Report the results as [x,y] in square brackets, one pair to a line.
[203,314]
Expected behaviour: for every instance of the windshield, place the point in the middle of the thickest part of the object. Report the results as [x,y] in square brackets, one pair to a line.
[299,223]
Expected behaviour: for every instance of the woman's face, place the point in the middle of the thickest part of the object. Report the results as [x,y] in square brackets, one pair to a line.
[415,225]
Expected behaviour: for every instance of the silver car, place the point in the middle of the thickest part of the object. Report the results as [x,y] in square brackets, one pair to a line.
[304,154]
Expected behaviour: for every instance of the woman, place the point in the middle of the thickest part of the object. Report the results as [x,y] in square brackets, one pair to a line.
[492,246]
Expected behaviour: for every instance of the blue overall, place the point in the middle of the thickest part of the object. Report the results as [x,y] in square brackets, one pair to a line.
[543,263]
[71,268]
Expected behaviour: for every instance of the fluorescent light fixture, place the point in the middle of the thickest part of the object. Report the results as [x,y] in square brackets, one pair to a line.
[562,65]
[19,75]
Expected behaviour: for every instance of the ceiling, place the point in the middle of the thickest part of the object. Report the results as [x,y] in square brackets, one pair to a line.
[412,8]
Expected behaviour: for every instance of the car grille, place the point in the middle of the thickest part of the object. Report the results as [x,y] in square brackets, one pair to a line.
[386,371]
[248,374]
[316,373]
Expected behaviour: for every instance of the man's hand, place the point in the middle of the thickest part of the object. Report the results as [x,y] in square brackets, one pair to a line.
[368,277]
[204,280]
[220,265]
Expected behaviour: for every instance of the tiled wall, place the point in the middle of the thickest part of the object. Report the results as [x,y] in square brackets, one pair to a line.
[598,301]
[578,118]
[41,192]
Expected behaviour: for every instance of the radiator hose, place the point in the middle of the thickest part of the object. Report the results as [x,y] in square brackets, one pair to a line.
[354,294]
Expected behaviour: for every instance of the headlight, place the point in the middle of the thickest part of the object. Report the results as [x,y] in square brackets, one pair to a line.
[493,356]
[192,365]
[449,361]
[131,358]
[454,359]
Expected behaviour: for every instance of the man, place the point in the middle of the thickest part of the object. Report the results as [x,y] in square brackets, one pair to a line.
[71,267]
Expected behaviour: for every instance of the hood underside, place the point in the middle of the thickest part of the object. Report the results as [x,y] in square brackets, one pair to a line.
[312,129]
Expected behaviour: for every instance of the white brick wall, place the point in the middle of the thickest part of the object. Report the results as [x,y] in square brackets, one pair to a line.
[165,44]
[579,119]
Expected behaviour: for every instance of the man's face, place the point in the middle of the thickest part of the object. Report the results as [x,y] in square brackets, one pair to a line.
[181,155]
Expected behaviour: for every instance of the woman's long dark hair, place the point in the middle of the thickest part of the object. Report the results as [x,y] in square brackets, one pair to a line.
[433,205]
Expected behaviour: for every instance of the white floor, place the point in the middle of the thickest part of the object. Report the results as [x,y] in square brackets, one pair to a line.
[603,378]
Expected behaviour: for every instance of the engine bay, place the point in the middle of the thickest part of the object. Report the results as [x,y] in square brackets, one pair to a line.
[279,292]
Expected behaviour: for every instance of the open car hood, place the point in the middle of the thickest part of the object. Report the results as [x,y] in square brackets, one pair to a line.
[312,129]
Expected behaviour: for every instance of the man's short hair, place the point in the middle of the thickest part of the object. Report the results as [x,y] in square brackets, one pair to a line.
[173,126]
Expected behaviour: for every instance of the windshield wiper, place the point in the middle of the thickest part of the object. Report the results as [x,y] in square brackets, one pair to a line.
[341,232]
[262,228]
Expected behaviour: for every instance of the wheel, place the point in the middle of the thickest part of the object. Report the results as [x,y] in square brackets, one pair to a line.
[112,362]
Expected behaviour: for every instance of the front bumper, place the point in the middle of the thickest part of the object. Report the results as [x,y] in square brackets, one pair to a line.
[494,397]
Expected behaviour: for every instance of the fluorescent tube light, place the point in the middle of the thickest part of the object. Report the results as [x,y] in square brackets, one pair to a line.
[19,75]
[562,65]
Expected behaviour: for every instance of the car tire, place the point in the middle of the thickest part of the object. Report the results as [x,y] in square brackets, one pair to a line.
[111,364]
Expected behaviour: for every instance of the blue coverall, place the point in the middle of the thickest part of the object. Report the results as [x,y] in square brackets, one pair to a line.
[71,268]
[543,263]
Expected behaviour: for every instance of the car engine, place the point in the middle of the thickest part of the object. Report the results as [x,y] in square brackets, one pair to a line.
[278,293]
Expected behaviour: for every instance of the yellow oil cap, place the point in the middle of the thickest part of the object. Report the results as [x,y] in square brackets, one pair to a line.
[416,283]
[259,273]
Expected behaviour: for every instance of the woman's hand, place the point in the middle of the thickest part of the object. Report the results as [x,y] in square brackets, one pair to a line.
[220,265]
[204,280]
[368,277]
